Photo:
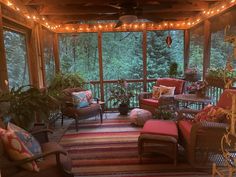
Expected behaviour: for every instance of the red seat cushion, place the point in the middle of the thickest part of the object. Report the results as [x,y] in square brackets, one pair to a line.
[171,82]
[185,127]
[225,100]
[160,127]
[150,102]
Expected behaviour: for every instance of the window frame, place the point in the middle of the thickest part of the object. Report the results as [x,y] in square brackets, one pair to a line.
[22,31]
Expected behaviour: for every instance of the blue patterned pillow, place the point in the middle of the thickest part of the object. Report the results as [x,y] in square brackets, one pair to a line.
[80,99]
[27,139]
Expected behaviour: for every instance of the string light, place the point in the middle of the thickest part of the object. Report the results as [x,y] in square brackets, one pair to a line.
[206,13]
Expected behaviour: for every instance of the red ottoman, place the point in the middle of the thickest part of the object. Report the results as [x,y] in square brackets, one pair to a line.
[163,134]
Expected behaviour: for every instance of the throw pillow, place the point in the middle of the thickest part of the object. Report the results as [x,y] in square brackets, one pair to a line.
[27,139]
[89,96]
[80,99]
[212,114]
[167,90]
[156,92]
[16,149]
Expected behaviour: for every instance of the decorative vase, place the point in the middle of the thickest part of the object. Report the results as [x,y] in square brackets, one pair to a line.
[123,109]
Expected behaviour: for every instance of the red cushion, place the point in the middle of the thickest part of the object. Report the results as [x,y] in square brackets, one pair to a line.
[160,127]
[225,100]
[170,82]
[150,102]
[185,127]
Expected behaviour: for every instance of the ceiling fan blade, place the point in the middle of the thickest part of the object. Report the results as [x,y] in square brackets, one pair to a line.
[118,24]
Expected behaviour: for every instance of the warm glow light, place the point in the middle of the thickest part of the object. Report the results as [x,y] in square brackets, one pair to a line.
[198,19]
[43,18]
[67,28]
[34,17]
[28,16]
[165,24]
[232,1]
[204,12]
[9,3]
[222,7]
[46,23]
[17,8]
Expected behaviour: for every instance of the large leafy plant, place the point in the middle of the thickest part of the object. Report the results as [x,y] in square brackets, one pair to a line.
[121,93]
[63,81]
[23,103]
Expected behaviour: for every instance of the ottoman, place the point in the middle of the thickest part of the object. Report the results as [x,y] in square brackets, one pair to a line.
[163,135]
[139,116]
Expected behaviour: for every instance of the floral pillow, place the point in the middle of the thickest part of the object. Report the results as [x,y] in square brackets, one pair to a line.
[167,90]
[27,139]
[16,149]
[156,92]
[89,95]
[212,114]
[80,99]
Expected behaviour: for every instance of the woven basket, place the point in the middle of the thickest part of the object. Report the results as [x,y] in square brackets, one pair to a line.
[215,82]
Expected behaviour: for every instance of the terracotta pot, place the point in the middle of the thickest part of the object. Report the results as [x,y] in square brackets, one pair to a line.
[123,109]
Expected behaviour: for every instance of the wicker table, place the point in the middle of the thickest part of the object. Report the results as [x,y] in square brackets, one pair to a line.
[190,99]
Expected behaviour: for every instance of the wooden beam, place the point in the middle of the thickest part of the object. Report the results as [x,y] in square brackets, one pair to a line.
[100,65]
[78,9]
[56,52]
[3,62]
[51,2]
[207,46]
[144,60]
[42,65]
[186,48]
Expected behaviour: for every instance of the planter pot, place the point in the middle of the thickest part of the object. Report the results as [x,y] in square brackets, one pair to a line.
[215,82]
[123,109]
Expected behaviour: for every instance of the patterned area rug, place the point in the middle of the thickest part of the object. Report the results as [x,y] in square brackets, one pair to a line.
[111,149]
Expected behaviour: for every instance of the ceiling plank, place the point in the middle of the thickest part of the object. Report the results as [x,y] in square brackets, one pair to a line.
[78,10]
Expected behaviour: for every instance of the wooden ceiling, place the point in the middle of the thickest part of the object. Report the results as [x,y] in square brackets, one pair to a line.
[82,11]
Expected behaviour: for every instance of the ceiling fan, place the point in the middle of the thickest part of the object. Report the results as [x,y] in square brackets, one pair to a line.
[130,11]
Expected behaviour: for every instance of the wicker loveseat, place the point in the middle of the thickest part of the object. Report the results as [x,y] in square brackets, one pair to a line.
[145,98]
[201,138]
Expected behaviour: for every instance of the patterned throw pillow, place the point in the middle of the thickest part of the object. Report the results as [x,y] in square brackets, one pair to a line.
[156,92]
[27,139]
[80,99]
[89,96]
[167,90]
[212,114]
[16,149]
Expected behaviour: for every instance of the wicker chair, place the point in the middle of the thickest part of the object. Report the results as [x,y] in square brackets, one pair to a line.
[68,109]
[145,98]
[202,138]
[55,161]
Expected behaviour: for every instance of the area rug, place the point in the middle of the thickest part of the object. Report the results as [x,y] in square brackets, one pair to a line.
[110,149]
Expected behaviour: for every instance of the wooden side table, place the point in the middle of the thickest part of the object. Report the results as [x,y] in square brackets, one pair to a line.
[103,106]
[188,99]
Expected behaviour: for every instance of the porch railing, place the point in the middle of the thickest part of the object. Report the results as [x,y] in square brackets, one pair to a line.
[137,86]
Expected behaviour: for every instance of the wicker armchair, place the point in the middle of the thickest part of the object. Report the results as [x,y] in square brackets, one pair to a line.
[145,98]
[68,109]
[54,160]
[202,138]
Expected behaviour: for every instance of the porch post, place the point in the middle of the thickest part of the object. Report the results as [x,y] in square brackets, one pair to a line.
[207,46]
[3,62]
[56,52]
[144,60]
[100,65]
[42,61]
[186,48]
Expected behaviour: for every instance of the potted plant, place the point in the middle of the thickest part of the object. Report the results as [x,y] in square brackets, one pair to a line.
[21,104]
[173,70]
[219,77]
[191,74]
[120,94]
[63,81]
[199,88]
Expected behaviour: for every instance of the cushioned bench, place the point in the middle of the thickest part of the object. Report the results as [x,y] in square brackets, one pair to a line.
[161,133]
